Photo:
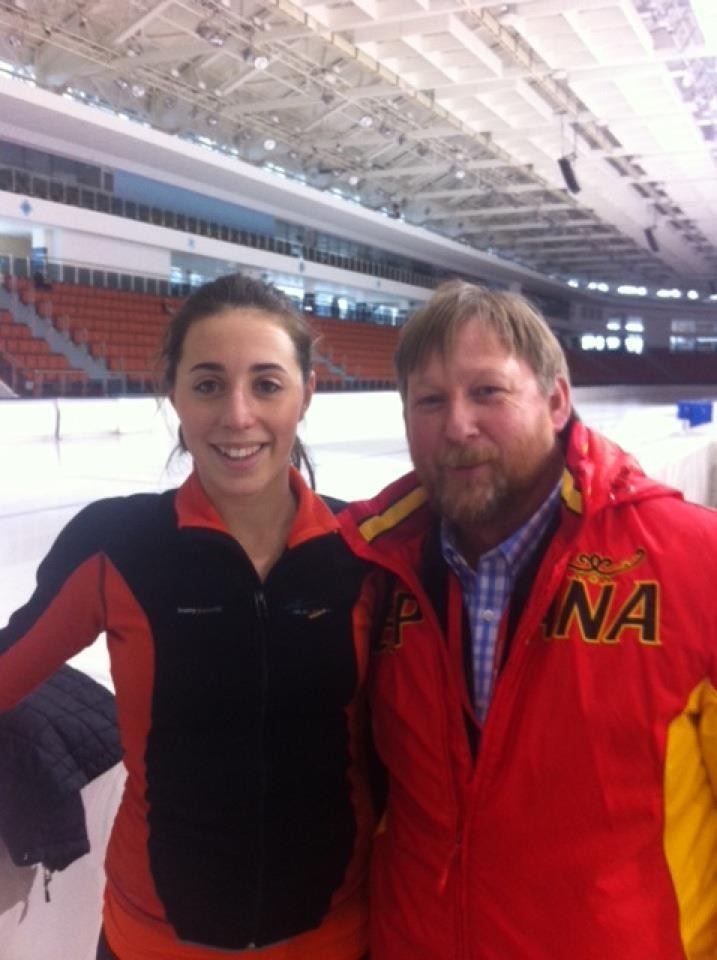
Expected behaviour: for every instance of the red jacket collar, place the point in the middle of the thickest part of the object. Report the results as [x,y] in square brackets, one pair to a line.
[312,519]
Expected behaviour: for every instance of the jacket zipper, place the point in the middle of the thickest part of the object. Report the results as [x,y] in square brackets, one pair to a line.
[261,617]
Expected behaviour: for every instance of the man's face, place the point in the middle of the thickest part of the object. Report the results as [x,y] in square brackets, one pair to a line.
[482,435]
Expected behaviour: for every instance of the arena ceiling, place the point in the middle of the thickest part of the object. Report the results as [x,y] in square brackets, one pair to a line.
[468,117]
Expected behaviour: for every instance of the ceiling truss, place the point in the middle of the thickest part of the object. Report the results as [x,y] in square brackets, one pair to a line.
[452,114]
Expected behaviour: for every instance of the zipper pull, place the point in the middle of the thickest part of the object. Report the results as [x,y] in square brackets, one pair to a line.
[260,604]
[46,878]
[446,871]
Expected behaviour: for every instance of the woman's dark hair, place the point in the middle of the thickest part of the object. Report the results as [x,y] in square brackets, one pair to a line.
[231,292]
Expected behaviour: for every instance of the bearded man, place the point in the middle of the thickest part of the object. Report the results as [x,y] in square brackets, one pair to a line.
[544,680]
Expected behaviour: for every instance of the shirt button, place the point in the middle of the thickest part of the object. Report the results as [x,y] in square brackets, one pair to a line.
[487,615]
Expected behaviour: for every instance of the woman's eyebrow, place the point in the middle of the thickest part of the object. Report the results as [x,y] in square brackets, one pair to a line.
[269,365]
[207,365]
[219,367]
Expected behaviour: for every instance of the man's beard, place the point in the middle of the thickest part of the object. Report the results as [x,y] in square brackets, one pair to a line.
[470,503]
[456,498]
[467,502]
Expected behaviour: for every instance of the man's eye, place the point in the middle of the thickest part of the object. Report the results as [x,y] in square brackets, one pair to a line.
[485,392]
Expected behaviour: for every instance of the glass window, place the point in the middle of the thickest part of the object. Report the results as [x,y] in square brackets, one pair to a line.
[634,343]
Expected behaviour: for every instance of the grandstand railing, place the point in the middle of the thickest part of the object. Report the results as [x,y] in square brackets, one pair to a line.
[29,184]
[54,270]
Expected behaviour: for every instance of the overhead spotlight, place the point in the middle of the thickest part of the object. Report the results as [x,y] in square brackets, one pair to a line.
[269,144]
[138,90]
[652,239]
[121,83]
[258,61]
[353,180]
[212,120]
[566,168]
[366,121]
[460,174]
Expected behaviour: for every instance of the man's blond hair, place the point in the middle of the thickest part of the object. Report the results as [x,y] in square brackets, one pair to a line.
[517,324]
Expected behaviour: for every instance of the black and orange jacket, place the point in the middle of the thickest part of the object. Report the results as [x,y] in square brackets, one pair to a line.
[579,822]
[246,820]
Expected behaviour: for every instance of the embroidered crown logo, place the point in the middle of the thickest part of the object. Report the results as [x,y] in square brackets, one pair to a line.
[598,569]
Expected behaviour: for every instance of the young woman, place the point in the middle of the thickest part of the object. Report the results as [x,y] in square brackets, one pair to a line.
[233,613]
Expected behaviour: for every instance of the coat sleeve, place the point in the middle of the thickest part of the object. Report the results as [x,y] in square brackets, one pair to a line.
[64,614]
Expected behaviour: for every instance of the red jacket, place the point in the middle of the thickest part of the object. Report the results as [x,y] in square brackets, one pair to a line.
[586,826]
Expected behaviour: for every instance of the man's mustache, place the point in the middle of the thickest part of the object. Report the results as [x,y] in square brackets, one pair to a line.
[466,457]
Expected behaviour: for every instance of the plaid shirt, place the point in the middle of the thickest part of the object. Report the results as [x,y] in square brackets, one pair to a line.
[487,591]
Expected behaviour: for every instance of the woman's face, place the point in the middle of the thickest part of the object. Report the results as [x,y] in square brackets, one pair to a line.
[239,394]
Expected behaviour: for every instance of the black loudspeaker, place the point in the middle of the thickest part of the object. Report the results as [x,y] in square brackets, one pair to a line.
[651,239]
[566,168]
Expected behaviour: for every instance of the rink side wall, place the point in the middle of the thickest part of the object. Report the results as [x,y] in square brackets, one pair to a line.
[332,418]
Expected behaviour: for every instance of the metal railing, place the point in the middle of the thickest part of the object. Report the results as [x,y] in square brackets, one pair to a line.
[29,184]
